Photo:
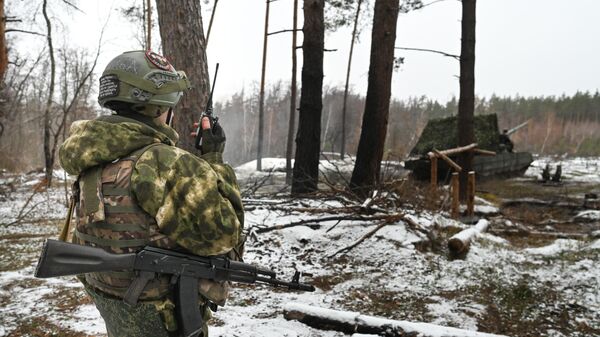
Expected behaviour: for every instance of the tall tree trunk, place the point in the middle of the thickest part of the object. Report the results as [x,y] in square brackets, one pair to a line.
[149,29]
[377,105]
[261,99]
[48,156]
[308,142]
[183,44]
[293,93]
[466,101]
[3,56]
[346,87]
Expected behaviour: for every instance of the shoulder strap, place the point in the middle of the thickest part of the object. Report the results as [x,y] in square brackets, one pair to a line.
[64,233]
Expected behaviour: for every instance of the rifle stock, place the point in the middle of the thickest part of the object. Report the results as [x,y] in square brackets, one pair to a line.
[60,258]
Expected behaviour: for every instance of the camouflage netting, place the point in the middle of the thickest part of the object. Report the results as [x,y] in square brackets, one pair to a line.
[441,134]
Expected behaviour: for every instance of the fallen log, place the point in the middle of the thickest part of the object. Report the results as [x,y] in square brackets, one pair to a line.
[354,322]
[459,244]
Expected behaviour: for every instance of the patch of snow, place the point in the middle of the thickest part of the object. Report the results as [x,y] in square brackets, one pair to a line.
[85,319]
[588,215]
[557,247]
[467,234]
[576,169]
[486,209]
[450,312]
[594,245]
[398,233]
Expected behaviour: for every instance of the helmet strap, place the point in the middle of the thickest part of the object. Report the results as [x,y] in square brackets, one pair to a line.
[170,117]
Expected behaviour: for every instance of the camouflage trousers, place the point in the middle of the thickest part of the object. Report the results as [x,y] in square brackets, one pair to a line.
[143,320]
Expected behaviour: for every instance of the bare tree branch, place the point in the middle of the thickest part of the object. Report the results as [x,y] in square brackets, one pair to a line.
[285,31]
[14,30]
[457,57]
[70,4]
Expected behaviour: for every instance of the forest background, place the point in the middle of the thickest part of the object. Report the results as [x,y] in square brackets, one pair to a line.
[562,125]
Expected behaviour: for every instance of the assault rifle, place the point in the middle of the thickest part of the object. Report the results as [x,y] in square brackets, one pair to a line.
[208,112]
[60,258]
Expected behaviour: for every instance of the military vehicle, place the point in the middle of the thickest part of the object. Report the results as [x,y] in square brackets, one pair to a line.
[441,134]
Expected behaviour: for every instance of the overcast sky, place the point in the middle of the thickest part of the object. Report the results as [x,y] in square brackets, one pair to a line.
[525,47]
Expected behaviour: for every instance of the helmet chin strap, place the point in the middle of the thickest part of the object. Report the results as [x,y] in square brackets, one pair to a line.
[170,117]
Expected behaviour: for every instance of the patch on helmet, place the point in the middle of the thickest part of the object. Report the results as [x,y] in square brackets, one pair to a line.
[159,61]
[160,78]
[109,86]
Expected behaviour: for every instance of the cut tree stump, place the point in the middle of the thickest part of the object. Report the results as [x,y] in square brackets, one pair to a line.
[353,322]
[459,244]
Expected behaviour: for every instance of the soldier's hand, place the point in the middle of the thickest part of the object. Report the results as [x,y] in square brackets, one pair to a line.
[213,137]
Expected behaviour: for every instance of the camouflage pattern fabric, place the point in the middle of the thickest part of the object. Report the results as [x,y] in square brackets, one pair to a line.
[193,202]
[174,186]
[146,319]
[105,139]
[441,134]
[178,189]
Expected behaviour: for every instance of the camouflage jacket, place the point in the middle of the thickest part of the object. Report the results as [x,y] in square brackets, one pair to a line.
[195,200]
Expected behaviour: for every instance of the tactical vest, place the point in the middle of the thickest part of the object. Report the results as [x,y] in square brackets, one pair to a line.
[109,217]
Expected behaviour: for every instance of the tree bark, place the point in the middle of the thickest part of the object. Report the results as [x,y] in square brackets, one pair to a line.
[377,105]
[183,44]
[3,55]
[293,93]
[466,101]
[308,139]
[48,156]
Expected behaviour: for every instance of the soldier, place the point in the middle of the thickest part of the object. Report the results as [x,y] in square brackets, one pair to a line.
[135,188]
[506,145]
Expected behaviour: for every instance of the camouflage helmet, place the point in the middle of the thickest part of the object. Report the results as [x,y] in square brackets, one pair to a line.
[143,78]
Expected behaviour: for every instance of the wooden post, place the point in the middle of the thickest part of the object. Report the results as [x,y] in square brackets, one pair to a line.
[471,194]
[455,195]
[434,171]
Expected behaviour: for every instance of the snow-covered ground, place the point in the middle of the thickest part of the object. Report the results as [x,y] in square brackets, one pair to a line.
[579,169]
[553,290]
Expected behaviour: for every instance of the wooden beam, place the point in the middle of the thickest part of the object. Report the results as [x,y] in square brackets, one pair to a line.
[450,162]
[456,150]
